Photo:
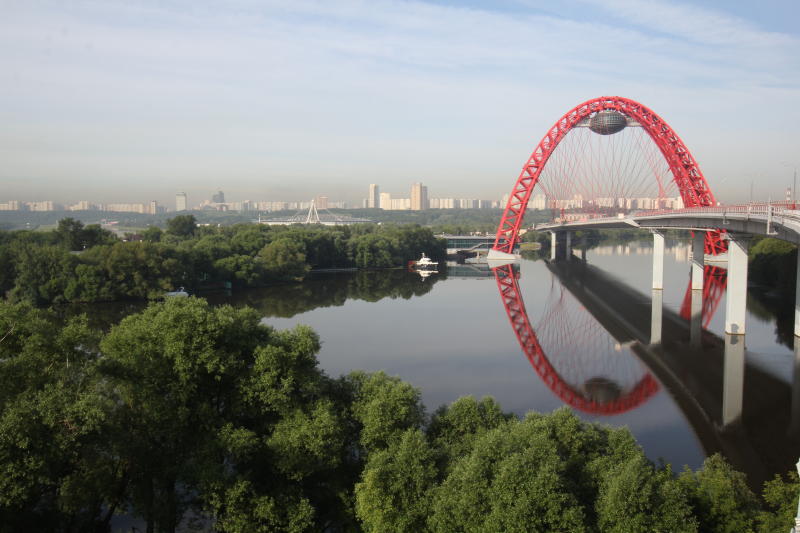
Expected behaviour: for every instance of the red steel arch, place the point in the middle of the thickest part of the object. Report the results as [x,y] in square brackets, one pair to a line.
[692,185]
[518,316]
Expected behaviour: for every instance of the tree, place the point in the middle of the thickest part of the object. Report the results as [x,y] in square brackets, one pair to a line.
[43,272]
[283,259]
[56,474]
[720,497]
[95,235]
[152,234]
[781,503]
[455,427]
[513,479]
[636,497]
[175,365]
[69,233]
[372,251]
[182,226]
[393,494]
[385,407]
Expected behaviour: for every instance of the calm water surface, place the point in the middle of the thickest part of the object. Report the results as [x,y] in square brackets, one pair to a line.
[450,336]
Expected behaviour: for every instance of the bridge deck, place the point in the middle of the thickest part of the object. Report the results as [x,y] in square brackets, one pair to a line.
[755,219]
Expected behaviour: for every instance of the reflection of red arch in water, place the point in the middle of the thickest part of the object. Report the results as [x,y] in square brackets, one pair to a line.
[686,173]
[515,308]
[715,280]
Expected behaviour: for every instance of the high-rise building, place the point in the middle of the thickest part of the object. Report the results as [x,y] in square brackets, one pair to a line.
[180,201]
[218,198]
[374,197]
[83,205]
[126,208]
[386,200]
[399,204]
[321,202]
[419,197]
[537,201]
[153,207]
[46,205]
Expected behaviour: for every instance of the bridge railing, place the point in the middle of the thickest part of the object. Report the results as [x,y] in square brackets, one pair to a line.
[777,210]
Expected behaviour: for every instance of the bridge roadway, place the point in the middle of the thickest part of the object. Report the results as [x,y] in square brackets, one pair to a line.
[756,440]
[739,223]
[755,219]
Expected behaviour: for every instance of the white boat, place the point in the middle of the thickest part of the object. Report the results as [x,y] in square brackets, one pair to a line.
[425,263]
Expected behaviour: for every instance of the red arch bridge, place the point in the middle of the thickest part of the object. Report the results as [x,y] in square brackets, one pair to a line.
[612,163]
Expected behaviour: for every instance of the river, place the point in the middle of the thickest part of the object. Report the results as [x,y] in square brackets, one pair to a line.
[450,335]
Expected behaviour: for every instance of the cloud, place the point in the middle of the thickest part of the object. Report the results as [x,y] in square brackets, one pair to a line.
[446,93]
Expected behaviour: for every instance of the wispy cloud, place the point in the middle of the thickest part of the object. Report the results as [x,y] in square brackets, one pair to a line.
[267,87]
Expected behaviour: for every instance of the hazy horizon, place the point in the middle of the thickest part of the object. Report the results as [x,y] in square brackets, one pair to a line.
[114,102]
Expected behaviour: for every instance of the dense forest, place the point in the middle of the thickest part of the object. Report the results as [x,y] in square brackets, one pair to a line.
[77,263]
[190,416]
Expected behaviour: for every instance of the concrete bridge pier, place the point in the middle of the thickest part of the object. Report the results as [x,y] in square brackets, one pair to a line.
[797,303]
[733,379]
[698,259]
[735,313]
[794,420]
[553,245]
[568,247]
[696,319]
[794,424]
[658,259]
[697,275]
[736,297]
[656,316]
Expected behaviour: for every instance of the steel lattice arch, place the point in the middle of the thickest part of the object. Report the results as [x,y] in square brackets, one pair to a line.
[645,386]
[601,116]
[686,174]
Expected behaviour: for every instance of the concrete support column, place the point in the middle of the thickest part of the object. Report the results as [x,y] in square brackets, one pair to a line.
[733,379]
[794,420]
[656,316]
[698,259]
[736,297]
[553,245]
[797,303]
[568,250]
[696,319]
[658,260]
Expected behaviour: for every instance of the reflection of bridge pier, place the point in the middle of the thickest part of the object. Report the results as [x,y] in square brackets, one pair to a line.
[561,246]
[794,426]
[734,407]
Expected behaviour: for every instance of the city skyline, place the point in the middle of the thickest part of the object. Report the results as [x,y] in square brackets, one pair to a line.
[281,100]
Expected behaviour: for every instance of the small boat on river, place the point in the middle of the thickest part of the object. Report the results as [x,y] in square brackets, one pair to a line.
[424,266]
[425,263]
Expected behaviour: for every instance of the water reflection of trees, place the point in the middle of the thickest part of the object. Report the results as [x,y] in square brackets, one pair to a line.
[330,290]
[283,300]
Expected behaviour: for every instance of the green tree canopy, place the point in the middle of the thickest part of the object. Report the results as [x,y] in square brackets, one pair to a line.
[182,225]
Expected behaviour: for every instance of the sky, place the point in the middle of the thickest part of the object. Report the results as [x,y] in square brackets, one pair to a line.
[133,101]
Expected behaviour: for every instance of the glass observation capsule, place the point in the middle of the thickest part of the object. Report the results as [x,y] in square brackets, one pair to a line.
[608,122]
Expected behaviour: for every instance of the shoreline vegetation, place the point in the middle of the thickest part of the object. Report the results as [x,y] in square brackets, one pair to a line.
[77,263]
[188,415]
